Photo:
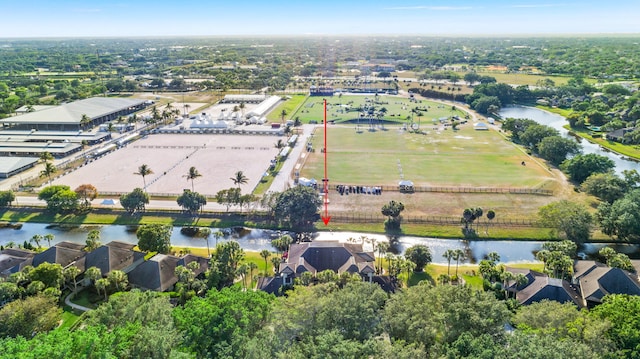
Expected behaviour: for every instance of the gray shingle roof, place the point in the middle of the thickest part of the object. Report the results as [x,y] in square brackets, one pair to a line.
[113,256]
[543,287]
[157,273]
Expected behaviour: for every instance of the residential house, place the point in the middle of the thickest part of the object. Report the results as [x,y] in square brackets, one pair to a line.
[63,253]
[596,280]
[12,258]
[618,135]
[318,256]
[114,255]
[540,286]
[158,273]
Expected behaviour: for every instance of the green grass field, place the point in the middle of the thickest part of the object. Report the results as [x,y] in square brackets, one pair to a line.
[436,158]
[291,105]
[398,108]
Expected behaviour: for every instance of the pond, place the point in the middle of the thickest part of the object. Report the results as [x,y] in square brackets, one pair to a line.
[259,239]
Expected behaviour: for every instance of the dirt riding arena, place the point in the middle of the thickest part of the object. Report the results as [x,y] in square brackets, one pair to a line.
[216,157]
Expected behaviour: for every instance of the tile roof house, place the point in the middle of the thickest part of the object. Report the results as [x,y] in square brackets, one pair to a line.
[158,273]
[597,280]
[540,287]
[317,256]
[114,255]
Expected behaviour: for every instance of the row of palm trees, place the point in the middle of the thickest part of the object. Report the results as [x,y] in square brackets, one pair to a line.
[144,170]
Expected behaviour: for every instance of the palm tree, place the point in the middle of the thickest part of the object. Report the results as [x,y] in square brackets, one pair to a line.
[242,271]
[265,254]
[101,286]
[477,213]
[449,254]
[46,157]
[49,237]
[458,256]
[275,261]
[239,178]
[85,120]
[93,240]
[143,171]
[193,174]
[118,279]
[283,114]
[383,247]
[206,232]
[217,235]
[279,144]
[37,238]
[252,267]
[186,109]
[48,170]
[93,274]
[70,274]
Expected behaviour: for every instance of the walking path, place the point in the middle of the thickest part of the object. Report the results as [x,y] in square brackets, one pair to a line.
[68,302]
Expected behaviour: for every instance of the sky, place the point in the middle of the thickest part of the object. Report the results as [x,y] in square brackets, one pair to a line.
[117,18]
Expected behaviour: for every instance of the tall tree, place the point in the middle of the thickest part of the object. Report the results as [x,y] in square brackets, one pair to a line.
[224,264]
[29,316]
[392,210]
[239,178]
[49,237]
[36,238]
[205,233]
[154,238]
[87,193]
[449,254]
[192,175]
[298,207]
[458,255]
[48,170]
[135,201]
[571,220]
[46,157]
[420,255]
[71,274]
[93,240]
[265,254]
[144,170]
[118,279]
[191,202]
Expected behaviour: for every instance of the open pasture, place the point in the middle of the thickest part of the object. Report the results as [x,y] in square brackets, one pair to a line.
[439,157]
[398,108]
[216,157]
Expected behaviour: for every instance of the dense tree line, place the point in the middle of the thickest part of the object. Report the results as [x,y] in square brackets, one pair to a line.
[314,322]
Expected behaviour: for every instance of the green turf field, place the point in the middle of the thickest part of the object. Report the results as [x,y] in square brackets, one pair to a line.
[342,108]
[437,158]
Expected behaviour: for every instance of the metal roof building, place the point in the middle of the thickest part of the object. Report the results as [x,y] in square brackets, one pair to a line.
[68,117]
[13,165]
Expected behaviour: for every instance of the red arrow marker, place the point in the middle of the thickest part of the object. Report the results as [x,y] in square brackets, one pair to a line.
[325,218]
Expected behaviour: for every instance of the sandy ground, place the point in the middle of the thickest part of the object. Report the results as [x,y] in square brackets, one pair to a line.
[216,157]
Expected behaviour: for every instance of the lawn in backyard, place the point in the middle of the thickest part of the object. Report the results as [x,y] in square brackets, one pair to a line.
[341,108]
[438,157]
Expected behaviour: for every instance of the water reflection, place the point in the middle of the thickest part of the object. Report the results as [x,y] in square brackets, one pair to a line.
[259,239]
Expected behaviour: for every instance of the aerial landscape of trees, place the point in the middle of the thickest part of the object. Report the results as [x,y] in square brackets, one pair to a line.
[469,312]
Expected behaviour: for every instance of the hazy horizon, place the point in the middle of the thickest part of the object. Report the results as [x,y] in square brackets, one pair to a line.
[188,18]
